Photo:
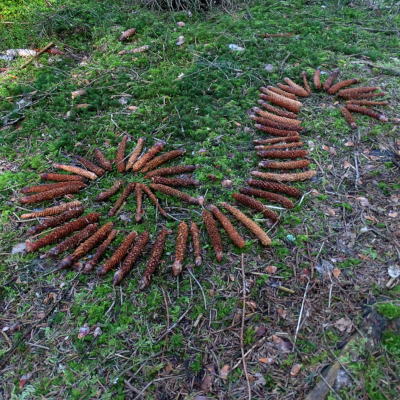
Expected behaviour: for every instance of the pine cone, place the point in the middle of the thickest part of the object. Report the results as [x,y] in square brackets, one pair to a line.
[340,85]
[194,231]
[154,199]
[90,166]
[283,154]
[279,146]
[281,102]
[183,233]
[128,190]
[284,201]
[348,117]
[276,132]
[46,187]
[176,193]
[214,235]
[294,85]
[102,160]
[110,192]
[139,195]
[62,178]
[366,111]
[148,156]
[136,153]
[317,78]
[305,83]
[76,170]
[127,34]
[53,210]
[278,111]
[181,169]
[162,159]
[175,182]
[331,78]
[277,118]
[271,93]
[301,176]
[275,187]
[121,154]
[278,140]
[285,165]
[276,125]
[256,205]
[282,93]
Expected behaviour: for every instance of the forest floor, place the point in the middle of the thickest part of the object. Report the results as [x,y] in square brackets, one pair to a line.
[184,338]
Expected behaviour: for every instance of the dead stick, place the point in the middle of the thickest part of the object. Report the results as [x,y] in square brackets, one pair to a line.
[37,55]
[242,331]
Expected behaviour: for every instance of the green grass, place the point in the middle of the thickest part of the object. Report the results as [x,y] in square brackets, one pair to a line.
[205,108]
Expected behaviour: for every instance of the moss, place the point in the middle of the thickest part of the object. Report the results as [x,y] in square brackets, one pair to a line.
[389,310]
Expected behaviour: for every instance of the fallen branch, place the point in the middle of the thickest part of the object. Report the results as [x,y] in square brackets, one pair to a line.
[37,55]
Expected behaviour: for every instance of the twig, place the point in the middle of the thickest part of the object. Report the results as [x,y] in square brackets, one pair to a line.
[301,313]
[173,326]
[357,173]
[255,345]
[330,387]
[242,330]
[37,55]
[166,307]
[204,297]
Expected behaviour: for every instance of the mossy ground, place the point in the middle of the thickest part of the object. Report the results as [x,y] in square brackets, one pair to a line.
[197,96]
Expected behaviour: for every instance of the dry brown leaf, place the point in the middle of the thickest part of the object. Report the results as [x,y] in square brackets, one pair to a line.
[83,331]
[271,269]
[237,123]
[232,278]
[393,214]
[346,164]
[315,192]
[325,148]
[24,379]
[211,292]
[227,183]
[282,313]
[277,339]
[343,324]
[224,371]
[363,201]
[332,151]
[77,93]
[252,304]
[364,257]
[330,167]
[206,384]
[260,331]
[295,369]
[331,211]
[84,105]
[168,369]
[336,272]
[211,369]
[349,144]
[266,360]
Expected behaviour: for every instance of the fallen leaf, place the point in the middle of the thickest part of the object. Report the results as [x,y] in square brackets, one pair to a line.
[332,151]
[393,214]
[266,360]
[281,312]
[315,192]
[97,332]
[202,151]
[295,369]
[180,41]
[343,324]
[363,201]
[336,272]
[16,326]
[364,257]
[323,105]
[305,274]
[335,103]
[211,369]
[325,148]
[227,183]
[237,123]
[224,371]
[330,167]
[331,211]
[277,339]
[281,345]
[206,384]
[180,24]
[211,292]
[349,144]
[251,378]
[168,369]
[77,93]
[232,278]
[271,269]
[24,379]
[83,331]
[260,379]
[18,248]
[252,304]
[260,331]
[346,164]
[84,105]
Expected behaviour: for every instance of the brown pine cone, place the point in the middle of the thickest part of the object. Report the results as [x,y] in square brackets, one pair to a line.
[214,235]
[52,194]
[121,154]
[366,111]
[368,103]
[169,191]
[340,85]
[273,124]
[276,118]
[256,229]
[279,146]
[291,89]
[136,153]
[284,165]
[183,233]
[76,170]
[175,182]
[277,111]
[139,164]
[56,221]
[228,227]
[127,34]
[256,205]
[170,171]
[331,78]
[90,166]
[194,231]
[292,102]
[294,85]
[317,78]
[348,117]
[53,210]
[276,132]
[139,196]
[305,83]
[131,257]
[73,241]
[62,178]
[154,199]
[86,246]
[155,259]
[155,162]
[46,187]
[284,201]
[119,255]
[275,187]
[63,232]
[283,154]
[128,190]
[278,140]
[110,192]
[282,93]
[281,102]
[301,176]
[102,160]
[100,251]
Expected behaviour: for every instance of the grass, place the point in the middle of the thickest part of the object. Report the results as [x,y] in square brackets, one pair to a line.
[196,96]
